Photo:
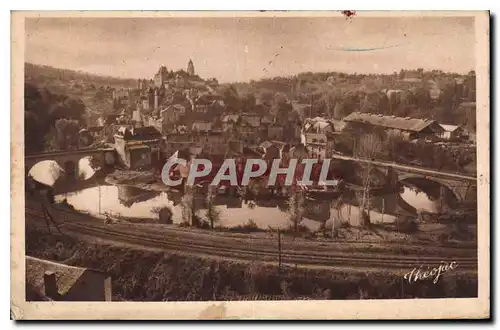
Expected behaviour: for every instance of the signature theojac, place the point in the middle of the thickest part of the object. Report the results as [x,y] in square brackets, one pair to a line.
[419,274]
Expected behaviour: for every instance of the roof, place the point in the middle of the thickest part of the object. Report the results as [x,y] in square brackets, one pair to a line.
[95,128]
[449,128]
[140,133]
[405,124]
[138,147]
[299,151]
[319,125]
[468,104]
[230,118]
[201,126]
[316,138]
[267,119]
[266,144]
[66,276]
[251,120]
[176,106]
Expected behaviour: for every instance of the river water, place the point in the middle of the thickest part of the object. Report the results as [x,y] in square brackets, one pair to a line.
[129,202]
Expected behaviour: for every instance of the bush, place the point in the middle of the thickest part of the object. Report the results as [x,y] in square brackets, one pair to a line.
[249,227]
[406,225]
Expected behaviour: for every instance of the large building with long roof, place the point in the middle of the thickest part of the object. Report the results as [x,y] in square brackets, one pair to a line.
[411,128]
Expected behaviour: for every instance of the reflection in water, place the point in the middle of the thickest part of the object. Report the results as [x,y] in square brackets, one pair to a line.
[46,171]
[130,202]
[419,200]
[85,169]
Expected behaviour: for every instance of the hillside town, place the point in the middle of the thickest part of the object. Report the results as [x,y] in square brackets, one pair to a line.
[180,111]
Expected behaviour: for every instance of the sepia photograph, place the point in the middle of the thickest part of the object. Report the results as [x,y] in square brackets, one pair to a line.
[262,157]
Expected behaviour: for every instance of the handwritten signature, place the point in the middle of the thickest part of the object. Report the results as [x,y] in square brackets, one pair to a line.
[417,274]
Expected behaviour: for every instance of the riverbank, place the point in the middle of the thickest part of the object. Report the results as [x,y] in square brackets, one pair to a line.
[146,275]
[145,180]
[426,238]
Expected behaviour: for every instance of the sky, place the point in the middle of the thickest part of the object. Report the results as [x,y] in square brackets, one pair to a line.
[240,49]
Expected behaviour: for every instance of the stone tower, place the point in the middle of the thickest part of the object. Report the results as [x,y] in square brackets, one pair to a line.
[190,68]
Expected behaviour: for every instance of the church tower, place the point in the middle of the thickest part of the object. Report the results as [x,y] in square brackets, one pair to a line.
[190,68]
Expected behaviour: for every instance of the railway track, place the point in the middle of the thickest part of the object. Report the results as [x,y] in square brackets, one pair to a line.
[185,244]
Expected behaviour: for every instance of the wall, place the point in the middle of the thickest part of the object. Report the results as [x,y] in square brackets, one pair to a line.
[120,150]
[91,286]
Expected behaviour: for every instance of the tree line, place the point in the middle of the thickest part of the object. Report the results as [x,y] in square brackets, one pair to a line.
[51,121]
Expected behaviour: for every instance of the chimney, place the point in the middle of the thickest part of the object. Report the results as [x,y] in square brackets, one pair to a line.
[50,282]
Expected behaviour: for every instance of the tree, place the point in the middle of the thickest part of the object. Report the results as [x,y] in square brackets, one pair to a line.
[367,148]
[213,214]
[266,97]
[337,205]
[296,208]
[67,133]
[188,207]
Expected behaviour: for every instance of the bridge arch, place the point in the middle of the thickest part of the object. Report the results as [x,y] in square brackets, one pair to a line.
[106,157]
[89,166]
[45,171]
[438,194]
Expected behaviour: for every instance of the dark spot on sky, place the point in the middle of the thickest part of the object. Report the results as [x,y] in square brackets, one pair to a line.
[348,13]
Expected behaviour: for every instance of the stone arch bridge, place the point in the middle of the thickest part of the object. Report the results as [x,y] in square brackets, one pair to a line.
[462,186]
[68,160]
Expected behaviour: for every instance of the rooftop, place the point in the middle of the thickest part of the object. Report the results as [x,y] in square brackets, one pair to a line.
[140,133]
[449,128]
[66,276]
[406,124]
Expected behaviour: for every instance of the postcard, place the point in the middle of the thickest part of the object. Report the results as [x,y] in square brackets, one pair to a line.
[250,165]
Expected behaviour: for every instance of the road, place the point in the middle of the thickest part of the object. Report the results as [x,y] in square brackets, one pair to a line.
[245,247]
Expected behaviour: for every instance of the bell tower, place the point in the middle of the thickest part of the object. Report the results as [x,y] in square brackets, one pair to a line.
[190,68]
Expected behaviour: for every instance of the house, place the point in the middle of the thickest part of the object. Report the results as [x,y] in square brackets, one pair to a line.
[47,280]
[272,150]
[248,128]
[267,120]
[178,140]
[320,145]
[139,147]
[452,132]
[212,143]
[252,119]
[275,131]
[318,125]
[228,122]
[201,126]
[318,136]
[410,128]
[97,132]
[172,113]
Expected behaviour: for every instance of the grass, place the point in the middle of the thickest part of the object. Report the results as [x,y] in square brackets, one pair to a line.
[153,276]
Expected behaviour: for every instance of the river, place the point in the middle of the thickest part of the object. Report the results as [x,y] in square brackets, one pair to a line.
[130,202]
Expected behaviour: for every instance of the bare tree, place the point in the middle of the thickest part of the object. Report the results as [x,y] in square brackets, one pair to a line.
[188,206]
[296,207]
[213,214]
[337,205]
[367,148]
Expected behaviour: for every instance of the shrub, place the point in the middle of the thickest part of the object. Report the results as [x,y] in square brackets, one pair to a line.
[406,225]
[248,227]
